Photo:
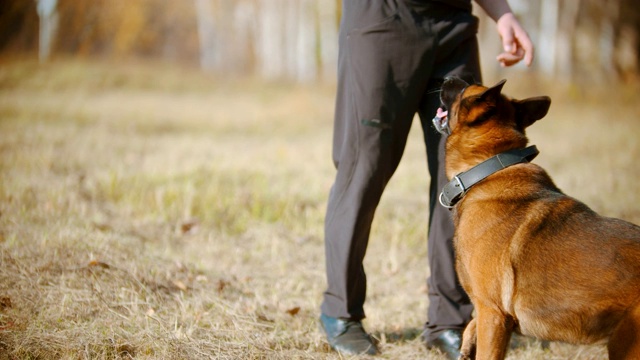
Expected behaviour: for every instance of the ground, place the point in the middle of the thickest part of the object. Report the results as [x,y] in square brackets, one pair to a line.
[152,211]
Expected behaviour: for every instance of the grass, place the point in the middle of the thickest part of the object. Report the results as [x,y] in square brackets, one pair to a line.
[151,211]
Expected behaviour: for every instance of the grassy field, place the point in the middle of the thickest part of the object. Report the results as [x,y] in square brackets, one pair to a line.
[150,211]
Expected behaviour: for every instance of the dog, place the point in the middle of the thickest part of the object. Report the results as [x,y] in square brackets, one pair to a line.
[532,259]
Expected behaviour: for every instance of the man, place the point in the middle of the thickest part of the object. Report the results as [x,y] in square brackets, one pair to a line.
[393,54]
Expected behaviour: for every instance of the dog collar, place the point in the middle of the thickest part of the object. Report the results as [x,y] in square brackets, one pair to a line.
[455,189]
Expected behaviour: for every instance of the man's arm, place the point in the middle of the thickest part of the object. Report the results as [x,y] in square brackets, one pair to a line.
[515,41]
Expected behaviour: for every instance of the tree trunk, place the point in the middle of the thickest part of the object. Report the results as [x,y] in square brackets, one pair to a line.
[48,26]
[327,37]
[548,36]
[206,34]
[564,55]
[270,47]
[305,44]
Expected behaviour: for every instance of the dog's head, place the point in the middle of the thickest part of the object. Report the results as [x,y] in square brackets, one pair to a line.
[481,122]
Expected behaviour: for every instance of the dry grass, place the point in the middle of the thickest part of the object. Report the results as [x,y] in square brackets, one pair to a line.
[154,212]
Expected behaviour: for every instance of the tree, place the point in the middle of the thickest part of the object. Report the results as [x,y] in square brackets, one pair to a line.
[48,25]
[206,34]
[576,40]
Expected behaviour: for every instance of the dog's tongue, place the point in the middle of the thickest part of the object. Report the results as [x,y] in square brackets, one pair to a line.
[441,113]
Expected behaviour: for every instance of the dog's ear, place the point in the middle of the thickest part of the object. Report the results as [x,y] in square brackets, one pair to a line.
[530,110]
[493,93]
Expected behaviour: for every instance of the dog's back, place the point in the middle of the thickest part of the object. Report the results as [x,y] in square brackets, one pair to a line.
[571,273]
[532,258]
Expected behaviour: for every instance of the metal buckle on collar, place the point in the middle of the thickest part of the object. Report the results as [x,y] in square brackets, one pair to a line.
[457,195]
[442,202]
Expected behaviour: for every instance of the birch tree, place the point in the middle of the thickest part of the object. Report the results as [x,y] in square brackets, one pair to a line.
[327,32]
[206,34]
[48,26]
[547,41]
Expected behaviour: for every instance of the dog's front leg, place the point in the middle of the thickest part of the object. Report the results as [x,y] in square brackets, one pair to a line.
[493,333]
[469,340]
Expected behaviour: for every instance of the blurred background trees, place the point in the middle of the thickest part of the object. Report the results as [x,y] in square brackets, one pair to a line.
[577,40]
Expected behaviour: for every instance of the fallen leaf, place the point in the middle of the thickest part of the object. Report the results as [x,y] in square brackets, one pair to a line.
[6,325]
[222,284]
[180,285]
[294,311]
[5,302]
[190,226]
[99,264]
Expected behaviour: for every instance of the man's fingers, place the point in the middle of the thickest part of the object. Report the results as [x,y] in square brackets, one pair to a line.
[528,58]
[508,42]
[508,59]
[527,47]
[515,41]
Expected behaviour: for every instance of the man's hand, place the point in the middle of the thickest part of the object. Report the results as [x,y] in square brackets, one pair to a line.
[515,41]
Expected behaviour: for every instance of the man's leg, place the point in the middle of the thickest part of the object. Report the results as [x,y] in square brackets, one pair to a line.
[449,306]
[374,109]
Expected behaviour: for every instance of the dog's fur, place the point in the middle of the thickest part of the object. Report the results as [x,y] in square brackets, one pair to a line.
[532,259]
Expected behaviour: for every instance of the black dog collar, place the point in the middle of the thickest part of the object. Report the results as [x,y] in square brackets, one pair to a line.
[461,183]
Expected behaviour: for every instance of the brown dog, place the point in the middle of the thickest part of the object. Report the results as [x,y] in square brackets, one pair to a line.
[532,259]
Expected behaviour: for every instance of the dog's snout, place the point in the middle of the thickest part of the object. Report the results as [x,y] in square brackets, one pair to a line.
[454,81]
[451,87]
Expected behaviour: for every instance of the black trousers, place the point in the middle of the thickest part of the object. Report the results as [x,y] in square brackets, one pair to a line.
[393,54]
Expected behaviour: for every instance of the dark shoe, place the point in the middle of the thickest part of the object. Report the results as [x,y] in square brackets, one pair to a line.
[347,336]
[448,342]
